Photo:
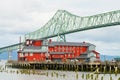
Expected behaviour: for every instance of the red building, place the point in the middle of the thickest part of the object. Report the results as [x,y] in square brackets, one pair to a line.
[41,50]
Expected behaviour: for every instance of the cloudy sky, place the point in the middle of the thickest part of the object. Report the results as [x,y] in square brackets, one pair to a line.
[18,17]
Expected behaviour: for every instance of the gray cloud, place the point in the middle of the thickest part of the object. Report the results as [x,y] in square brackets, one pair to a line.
[18,17]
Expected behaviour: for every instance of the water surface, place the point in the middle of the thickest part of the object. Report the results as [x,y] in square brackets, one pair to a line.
[18,74]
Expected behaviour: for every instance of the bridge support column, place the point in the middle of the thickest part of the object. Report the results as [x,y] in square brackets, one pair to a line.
[9,54]
[61,38]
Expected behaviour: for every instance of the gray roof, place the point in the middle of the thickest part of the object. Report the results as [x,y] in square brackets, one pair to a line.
[69,44]
[36,39]
[82,57]
[34,49]
[31,47]
[57,53]
[85,55]
[60,52]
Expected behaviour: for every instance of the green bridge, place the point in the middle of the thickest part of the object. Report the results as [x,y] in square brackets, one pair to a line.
[64,22]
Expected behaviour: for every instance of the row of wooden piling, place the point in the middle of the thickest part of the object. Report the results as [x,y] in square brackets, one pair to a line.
[102,68]
[30,69]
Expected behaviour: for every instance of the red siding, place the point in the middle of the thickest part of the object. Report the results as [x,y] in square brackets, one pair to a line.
[37,43]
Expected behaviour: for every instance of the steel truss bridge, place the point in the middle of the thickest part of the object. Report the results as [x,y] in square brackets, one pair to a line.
[64,22]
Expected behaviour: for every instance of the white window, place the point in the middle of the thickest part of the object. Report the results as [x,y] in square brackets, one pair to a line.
[92,47]
[70,49]
[25,59]
[26,54]
[21,54]
[41,54]
[30,42]
[31,54]
[34,59]
[92,59]
[69,55]
[59,49]
[73,55]
[66,48]
[63,48]
[47,54]
[65,55]
[45,42]
[27,42]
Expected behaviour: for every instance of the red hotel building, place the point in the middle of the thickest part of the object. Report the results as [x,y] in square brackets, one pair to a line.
[40,50]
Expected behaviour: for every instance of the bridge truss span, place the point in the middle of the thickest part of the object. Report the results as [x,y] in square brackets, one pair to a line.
[63,22]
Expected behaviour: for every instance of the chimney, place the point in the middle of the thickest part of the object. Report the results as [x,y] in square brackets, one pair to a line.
[83,41]
[50,40]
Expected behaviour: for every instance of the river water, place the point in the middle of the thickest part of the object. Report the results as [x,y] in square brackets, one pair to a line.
[20,74]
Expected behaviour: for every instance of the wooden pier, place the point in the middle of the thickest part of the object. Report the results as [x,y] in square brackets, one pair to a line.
[108,67]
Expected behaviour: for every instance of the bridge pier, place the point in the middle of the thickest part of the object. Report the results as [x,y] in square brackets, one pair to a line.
[9,54]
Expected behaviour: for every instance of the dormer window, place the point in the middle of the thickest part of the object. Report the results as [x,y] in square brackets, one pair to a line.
[27,42]
[31,42]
